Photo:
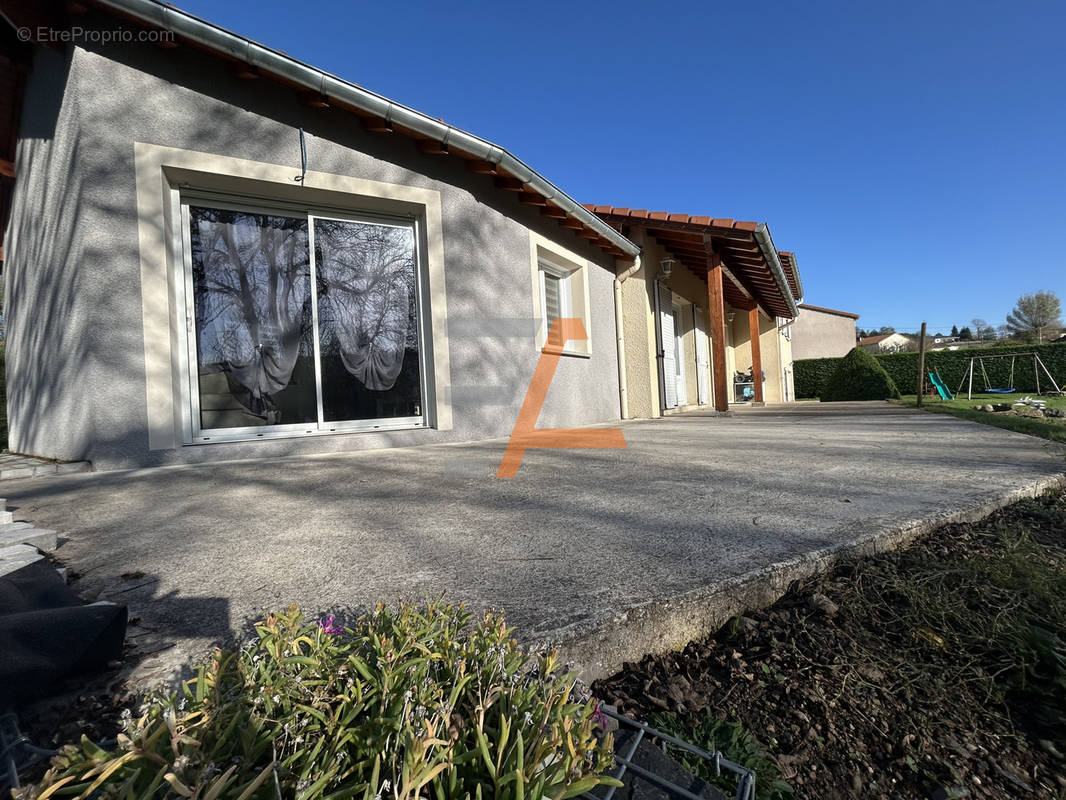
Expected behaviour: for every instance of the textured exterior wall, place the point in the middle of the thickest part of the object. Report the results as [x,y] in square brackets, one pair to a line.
[770,350]
[816,334]
[76,372]
[638,318]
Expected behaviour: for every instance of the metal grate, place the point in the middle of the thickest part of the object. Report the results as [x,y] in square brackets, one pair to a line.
[16,753]
[745,777]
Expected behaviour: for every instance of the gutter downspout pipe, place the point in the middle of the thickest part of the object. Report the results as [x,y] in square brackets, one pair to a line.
[620,343]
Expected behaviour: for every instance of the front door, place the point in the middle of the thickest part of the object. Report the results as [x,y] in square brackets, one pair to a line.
[679,358]
[702,360]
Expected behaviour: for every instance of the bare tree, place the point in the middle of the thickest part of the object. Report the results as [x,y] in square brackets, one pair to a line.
[1035,316]
[982,329]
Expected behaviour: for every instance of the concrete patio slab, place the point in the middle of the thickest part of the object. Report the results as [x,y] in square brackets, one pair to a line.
[609,553]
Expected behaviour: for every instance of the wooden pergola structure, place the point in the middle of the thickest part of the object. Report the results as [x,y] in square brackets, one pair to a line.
[733,259]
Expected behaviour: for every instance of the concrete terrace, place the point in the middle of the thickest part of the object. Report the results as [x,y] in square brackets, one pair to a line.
[609,553]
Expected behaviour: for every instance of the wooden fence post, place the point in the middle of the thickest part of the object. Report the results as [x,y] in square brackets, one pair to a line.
[921,364]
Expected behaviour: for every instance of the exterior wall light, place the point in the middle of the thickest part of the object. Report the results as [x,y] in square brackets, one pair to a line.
[666,266]
[729,317]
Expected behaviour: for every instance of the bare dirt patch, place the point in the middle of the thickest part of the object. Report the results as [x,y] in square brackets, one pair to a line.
[935,671]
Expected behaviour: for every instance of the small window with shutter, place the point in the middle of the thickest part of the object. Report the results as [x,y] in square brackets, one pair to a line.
[555,298]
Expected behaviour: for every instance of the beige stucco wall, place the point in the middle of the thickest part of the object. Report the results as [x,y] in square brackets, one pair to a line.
[816,334]
[787,357]
[642,380]
[770,349]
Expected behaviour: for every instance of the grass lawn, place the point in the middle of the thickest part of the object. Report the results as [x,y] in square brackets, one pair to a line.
[1053,429]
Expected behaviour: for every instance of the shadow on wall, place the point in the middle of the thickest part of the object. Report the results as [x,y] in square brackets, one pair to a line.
[76,385]
[41,279]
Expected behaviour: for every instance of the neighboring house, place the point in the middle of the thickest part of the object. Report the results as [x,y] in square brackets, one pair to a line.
[888,343]
[180,289]
[702,287]
[822,332]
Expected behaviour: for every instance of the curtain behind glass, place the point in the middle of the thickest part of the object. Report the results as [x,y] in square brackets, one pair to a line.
[252,290]
[368,331]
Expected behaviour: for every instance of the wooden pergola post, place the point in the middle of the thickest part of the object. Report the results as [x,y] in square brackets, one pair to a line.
[716,311]
[756,352]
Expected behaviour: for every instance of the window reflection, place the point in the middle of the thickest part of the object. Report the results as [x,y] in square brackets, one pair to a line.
[255,349]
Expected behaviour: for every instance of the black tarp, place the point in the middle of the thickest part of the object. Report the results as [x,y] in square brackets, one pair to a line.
[47,633]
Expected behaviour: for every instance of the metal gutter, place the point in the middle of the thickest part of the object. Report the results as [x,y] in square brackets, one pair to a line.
[796,273]
[769,252]
[231,44]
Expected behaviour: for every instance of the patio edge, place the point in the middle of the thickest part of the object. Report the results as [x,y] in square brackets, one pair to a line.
[599,650]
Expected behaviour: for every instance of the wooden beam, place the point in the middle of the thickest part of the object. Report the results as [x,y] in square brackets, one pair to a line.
[243,71]
[572,224]
[553,212]
[756,352]
[481,167]
[716,312]
[314,100]
[377,125]
[532,199]
[510,185]
[432,147]
[7,168]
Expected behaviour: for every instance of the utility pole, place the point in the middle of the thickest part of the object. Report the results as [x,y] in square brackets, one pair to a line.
[921,364]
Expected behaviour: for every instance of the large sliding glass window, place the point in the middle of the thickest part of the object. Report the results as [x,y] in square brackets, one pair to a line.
[301,322]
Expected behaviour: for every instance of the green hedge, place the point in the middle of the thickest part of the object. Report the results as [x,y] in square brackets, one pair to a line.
[811,374]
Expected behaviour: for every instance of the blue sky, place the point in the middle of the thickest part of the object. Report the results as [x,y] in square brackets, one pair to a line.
[912,154]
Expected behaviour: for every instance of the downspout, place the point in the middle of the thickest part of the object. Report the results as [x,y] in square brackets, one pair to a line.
[623,391]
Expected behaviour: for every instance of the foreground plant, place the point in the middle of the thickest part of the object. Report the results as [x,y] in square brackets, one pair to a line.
[409,703]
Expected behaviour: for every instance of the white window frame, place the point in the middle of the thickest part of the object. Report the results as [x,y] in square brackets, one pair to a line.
[566,298]
[195,434]
[163,174]
[548,257]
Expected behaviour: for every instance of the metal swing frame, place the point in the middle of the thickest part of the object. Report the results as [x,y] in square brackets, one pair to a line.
[1038,365]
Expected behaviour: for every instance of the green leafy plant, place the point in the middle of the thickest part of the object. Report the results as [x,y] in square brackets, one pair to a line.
[858,376]
[733,741]
[411,703]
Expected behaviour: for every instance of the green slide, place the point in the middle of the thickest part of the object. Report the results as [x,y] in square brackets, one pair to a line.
[941,387]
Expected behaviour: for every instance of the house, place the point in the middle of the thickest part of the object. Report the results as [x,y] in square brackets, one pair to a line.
[888,343]
[710,298]
[215,251]
[822,332]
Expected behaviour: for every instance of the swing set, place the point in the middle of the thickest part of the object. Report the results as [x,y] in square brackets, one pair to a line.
[1038,365]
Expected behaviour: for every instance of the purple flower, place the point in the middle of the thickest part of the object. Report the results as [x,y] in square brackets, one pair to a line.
[328,626]
[599,717]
